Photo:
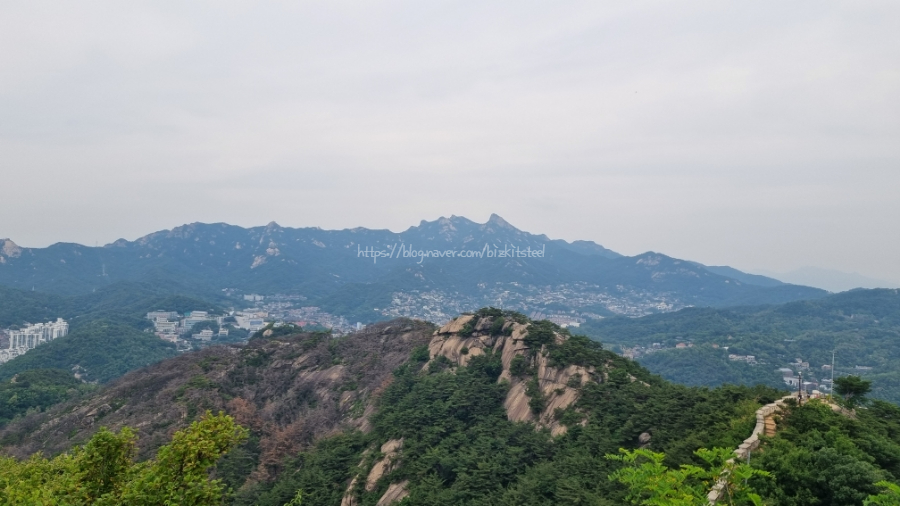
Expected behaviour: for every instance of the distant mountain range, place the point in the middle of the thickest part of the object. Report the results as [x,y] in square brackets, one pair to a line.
[378,274]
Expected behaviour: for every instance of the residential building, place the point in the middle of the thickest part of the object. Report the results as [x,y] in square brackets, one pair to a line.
[204,335]
[160,315]
[28,338]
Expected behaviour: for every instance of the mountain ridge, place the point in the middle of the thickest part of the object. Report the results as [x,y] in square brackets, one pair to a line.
[466,264]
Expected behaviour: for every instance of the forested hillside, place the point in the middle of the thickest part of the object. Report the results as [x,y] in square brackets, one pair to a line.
[125,302]
[491,409]
[862,326]
[289,389]
[98,351]
[106,337]
[36,390]
[820,456]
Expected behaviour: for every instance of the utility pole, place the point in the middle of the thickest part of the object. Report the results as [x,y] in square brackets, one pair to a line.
[832,373]
[800,388]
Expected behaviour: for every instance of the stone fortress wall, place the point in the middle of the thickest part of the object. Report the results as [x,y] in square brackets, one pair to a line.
[765,425]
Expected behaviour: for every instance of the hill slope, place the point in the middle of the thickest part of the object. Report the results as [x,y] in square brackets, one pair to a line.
[863,326]
[98,351]
[491,409]
[289,390]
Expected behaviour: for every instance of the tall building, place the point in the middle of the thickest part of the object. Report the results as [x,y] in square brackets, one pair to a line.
[28,338]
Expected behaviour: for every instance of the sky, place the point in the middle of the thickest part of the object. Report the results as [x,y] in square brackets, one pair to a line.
[763,135]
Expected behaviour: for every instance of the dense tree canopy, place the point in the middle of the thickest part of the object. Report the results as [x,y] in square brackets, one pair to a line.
[36,390]
[103,472]
[852,388]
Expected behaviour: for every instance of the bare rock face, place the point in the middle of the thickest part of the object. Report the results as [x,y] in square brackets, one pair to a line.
[455,325]
[556,384]
[349,498]
[388,462]
[395,493]
[9,249]
[384,465]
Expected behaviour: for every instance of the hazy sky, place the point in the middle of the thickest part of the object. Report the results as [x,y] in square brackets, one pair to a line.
[763,135]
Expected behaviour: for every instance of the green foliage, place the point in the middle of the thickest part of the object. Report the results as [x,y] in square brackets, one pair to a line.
[103,472]
[497,326]
[825,458]
[536,400]
[19,306]
[102,350]
[439,364]
[542,333]
[519,366]
[650,482]
[419,354]
[37,389]
[862,325]
[322,474]
[297,500]
[179,472]
[105,339]
[890,496]
[703,365]
[459,446]
[235,466]
[489,312]
[577,350]
[853,389]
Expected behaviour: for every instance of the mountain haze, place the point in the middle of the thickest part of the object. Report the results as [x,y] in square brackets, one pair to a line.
[336,270]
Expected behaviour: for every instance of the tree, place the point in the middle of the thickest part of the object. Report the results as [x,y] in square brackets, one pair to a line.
[890,496]
[103,472]
[853,389]
[652,483]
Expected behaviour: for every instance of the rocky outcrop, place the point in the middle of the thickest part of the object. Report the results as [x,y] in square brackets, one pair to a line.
[385,464]
[9,249]
[390,459]
[395,493]
[559,387]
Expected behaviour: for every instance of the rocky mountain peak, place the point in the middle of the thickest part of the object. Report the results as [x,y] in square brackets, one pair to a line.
[497,221]
[526,363]
[9,249]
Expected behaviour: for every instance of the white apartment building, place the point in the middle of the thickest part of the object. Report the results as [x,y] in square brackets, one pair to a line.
[28,338]
[196,317]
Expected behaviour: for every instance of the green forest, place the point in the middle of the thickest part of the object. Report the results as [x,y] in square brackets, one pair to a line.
[631,438]
[861,326]
[460,448]
[107,339]
[37,389]
[99,351]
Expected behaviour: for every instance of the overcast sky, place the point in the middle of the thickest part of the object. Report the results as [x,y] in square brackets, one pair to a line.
[763,135]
